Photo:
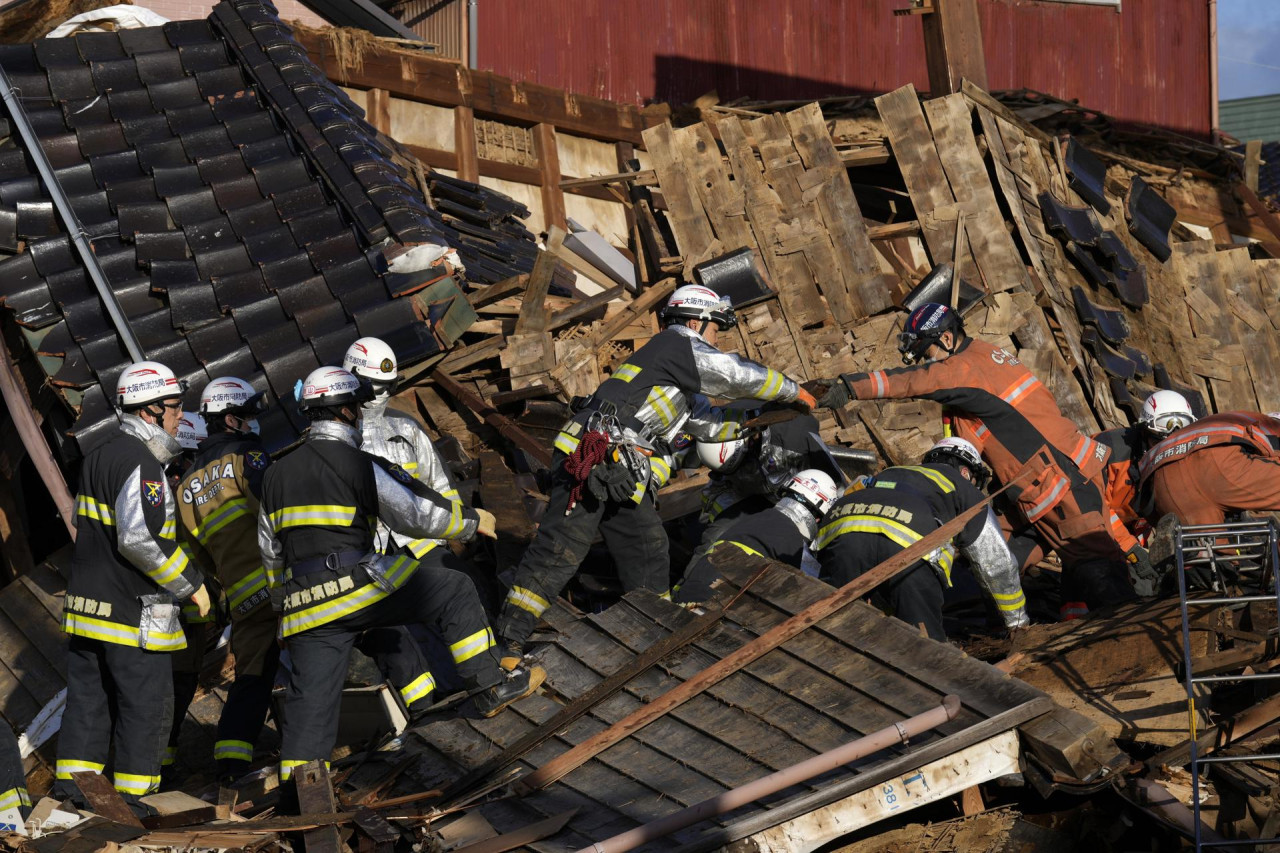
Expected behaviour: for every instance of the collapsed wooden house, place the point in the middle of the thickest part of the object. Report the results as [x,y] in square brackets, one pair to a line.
[1072,252]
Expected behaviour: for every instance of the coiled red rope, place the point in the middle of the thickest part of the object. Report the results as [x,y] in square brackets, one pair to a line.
[590,452]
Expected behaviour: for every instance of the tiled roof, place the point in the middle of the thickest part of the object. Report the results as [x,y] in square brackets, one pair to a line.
[241,207]
[1251,118]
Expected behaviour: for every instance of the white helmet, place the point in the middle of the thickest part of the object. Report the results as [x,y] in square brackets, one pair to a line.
[1166,411]
[145,382]
[332,386]
[815,489]
[695,302]
[959,452]
[229,395]
[372,359]
[191,430]
[723,456]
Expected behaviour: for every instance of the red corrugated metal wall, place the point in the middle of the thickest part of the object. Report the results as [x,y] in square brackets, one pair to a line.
[1148,63]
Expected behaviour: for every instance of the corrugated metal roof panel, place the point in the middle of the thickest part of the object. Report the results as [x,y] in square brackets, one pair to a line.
[1251,118]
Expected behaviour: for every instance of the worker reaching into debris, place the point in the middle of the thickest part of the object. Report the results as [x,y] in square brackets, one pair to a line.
[615,452]
[1004,410]
[1220,464]
[750,471]
[320,507]
[218,503]
[780,532]
[400,440]
[900,506]
[128,573]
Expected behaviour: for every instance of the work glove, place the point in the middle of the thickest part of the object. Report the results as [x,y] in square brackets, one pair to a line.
[200,598]
[837,394]
[488,525]
[611,483]
[805,401]
[1145,577]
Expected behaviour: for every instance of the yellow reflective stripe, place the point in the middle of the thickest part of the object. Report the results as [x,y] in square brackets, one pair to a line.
[172,568]
[661,471]
[409,466]
[15,797]
[468,647]
[1010,601]
[66,766]
[322,614]
[95,509]
[99,629]
[287,766]
[566,443]
[772,385]
[419,548]
[455,522]
[191,614]
[939,480]
[170,756]
[241,750]
[451,495]
[626,372]
[894,530]
[638,494]
[169,530]
[227,513]
[666,596]
[737,545]
[242,589]
[132,783]
[527,599]
[421,686]
[158,642]
[313,515]
[662,405]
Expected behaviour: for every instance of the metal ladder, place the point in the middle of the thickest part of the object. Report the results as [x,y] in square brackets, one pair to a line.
[1250,550]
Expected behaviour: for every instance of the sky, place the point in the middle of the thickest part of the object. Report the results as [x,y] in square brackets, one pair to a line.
[1248,48]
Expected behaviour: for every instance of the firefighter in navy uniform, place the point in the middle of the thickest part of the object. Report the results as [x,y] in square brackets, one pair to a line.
[128,573]
[188,662]
[780,532]
[1003,409]
[319,513]
[903,504]
[616,452]
[218,505]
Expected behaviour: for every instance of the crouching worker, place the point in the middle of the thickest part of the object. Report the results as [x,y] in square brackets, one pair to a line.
[616,451]
[320,508]
[899,507]
[782,532]
[128,576]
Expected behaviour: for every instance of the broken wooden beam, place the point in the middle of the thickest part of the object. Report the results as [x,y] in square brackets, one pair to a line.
[508,428]
[315,796]
[104,799]
[779,634]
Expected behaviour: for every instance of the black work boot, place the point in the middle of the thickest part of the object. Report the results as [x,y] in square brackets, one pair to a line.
[519,683]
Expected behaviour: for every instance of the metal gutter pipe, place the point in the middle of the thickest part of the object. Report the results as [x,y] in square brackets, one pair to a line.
[781,780]
[70,221]
[473,32]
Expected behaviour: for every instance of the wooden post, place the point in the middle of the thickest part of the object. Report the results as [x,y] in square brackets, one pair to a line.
[34,441]
[1252,160]
[544,138]
[953,46]
[378,110]
[315,796]
[464,143]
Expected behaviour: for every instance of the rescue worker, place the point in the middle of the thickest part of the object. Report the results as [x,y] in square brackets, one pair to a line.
[218,504]
[1001,408]
[1220,464]
[316,524]
[128,573]
[901,505]
[615,453]
[188,662]
[749,473]
[399,439]
[13,784]
[780,532]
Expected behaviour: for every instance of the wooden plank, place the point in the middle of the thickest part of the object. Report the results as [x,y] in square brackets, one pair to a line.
[584,307]
[315,796]
[757,648]
[104,799]
[1241,279]
[503,424]
[499,290]
[533,311]
[953,46]
[695,238]
[378,110]
[419,77]
[1199,268]
[1008,182]
[867,286]
[722,199]
[528,835]
[993,247]
[544,142]
[464,143]
[922,170]
[1252,160]
[39,626]
[37,675]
